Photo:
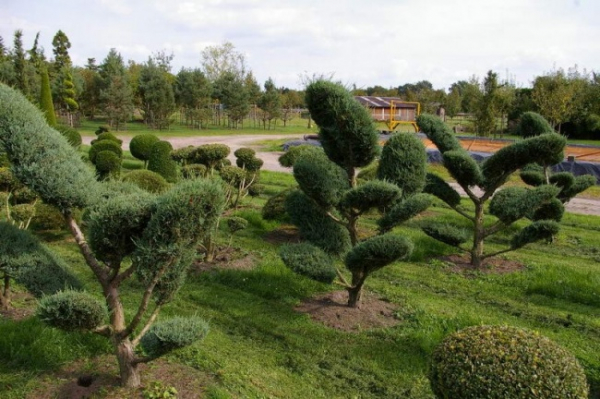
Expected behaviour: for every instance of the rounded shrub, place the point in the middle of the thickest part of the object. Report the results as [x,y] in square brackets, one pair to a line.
[183,155]
[288,159]
[310,261]
[172,334]
[403,162]
[47,217]
[250,164]
[104,145]
[160,161]
[72,310]
[274,208]
[194,171]
[147,180]
[446,233]
[532,124]
[236,223]
[107,136]
[108,165]
[244,152]
[504,362]
[210,154]
[72,135]
[377,252]
[256,189]
[140,146]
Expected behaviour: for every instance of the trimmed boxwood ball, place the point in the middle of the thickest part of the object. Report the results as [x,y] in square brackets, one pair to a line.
[210,154]
[160,161]
[236,223]
[140,146]
[288,159]
[166,336]
[309,261]
[503,362]
[107,136]
[194,171]
[72,310]
[403,162]
[274,208]
[104,145]
[147,180]
[108,165]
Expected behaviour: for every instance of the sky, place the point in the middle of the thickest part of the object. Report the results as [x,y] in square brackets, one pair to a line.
[363,43]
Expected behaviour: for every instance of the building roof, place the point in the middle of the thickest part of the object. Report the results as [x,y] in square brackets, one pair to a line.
[384,102]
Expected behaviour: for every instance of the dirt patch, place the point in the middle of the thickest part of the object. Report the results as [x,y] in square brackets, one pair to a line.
[285,234]
[23,306]
[460,264]
[331,309]
[98,377]
[227,258]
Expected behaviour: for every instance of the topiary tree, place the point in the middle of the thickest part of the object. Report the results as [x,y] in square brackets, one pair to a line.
[504,362]
[104,145]
[210,155]
[290,157]
[508,205]
[107,156]
[329,204]
[147,180]
[532,124]
[46,104]
[24,259]
[107,136]
[129,233]
[140,146]
[160,161]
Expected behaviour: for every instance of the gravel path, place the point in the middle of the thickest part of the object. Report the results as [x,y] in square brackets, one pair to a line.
[270,159]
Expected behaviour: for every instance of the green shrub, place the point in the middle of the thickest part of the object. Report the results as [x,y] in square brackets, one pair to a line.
[246,159]
[404,210]
[256,189]
[47,217]
[107,136]
[369,172]
[210,154]
[322,180]
[140,146]
[183,156]
[274,208]
[105,145]
[504,363]
[233,175]
[377,252]
[72,310]
[72,135]
[538,230]
[372,194]
[194,171]
[310,261]
[446,233]
[166,336]
[147,180]
[532,124]
[403,162]
[160,161]
[108,165]
[288,159]
[102,129]
[236,223]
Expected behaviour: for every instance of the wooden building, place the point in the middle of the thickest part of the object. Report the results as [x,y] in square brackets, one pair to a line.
[392,110]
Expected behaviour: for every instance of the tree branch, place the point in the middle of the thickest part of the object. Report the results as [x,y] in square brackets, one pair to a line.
[147,326]
[343,280]
[118,279]
[497,253]
[463,213]
[499,225]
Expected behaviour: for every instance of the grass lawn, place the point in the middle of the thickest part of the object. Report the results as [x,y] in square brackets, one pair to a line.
[260,347]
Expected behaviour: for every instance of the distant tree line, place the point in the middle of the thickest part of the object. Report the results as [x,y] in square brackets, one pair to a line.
[223,91]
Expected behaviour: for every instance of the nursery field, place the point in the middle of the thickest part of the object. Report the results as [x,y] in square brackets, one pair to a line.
[262,345]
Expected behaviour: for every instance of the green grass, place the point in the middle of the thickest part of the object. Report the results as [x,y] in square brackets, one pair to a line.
[260,347]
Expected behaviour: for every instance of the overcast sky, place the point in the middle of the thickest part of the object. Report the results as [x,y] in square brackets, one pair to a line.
[367,43]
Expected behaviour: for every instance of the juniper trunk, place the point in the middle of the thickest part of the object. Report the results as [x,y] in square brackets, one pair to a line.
[355,292]
[5,294]
[478,237]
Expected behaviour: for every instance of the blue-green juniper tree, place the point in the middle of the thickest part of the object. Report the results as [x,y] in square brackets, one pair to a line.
[130,234]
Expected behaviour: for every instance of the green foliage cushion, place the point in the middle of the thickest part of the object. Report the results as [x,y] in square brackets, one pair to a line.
[251,164]
[532,124]
[47,217]
[552,210]
[233,175]
[547,149]
[563,180]
[309,261]
[581,184]
[539,230]
[194,171]
[503,362]
[288,159]
[377,252]
[31,264]
[369,172]
[210,154]
[7,179]
[147,180]
[373,194]
[533,178]
[140,146]
[42,158]
[71,311]
[274,208]
[180,219]
[463,168]
[71,134]
[175,333]
[160,161]
[108,165]
[183,155]
[22,212]
[320,179]
[244,153]
[403,162]
[236,223]
[403,211]
[116,223]
[446,233]
[347,133]
[105,145]
[441,189]
[513,203]
[315,226]
[437,131]
[107,136]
